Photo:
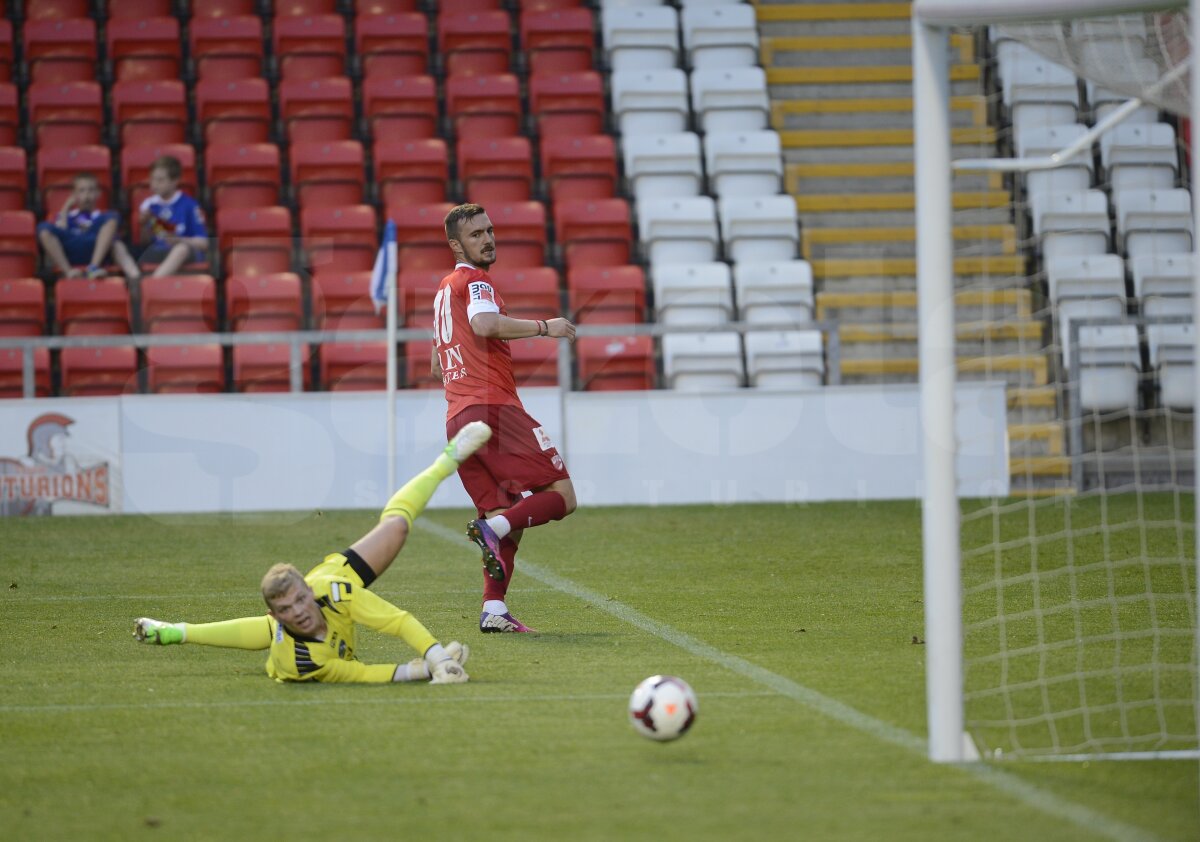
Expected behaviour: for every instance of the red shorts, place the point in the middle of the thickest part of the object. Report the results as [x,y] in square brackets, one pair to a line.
[518,457]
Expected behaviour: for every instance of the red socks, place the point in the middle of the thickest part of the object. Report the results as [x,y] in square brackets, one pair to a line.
[537,509]
[508,558]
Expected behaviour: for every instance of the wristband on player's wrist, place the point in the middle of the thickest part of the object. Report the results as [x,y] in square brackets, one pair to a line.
[543,328]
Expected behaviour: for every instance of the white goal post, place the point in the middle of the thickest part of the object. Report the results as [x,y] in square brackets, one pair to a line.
[941,515]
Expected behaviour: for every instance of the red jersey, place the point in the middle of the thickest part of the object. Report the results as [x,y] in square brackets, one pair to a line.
[475,370]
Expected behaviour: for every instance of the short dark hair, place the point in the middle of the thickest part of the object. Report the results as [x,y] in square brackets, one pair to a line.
[168,164]
[458,215]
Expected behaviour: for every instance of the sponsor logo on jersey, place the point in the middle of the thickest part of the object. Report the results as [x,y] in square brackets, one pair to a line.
[482,291]
[543,438]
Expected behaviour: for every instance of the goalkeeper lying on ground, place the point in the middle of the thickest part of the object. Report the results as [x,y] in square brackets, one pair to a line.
[310,625]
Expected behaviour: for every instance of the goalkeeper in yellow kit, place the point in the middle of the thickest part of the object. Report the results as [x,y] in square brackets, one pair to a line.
[310,624]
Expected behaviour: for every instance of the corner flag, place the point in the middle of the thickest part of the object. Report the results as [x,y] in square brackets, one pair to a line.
[383,277]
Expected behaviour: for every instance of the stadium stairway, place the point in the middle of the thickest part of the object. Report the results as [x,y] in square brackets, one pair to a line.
[840,80]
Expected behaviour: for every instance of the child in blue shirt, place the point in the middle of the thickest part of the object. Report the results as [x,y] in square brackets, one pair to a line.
[172,222]
[82,234]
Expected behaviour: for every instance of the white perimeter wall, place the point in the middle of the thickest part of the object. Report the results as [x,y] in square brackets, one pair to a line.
[319,450]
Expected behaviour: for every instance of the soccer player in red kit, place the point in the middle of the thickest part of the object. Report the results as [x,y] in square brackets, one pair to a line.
[471,354]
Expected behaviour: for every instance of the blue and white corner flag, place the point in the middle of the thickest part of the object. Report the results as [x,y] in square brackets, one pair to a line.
[383,278]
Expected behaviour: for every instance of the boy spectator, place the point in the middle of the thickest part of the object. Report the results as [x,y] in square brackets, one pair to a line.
[172,223]
[83,235]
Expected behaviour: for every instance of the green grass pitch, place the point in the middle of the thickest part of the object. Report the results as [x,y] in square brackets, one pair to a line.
[798,627]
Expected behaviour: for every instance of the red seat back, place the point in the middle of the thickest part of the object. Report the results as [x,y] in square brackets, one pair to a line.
[485,105]
[187,301]
[97,306]
[580,167]
[22,307]
[609,363]
[558,40]
[264,302]
[529,293]
[329,174]
[150,113]
[185,369]
[242,175]
[310,47]
[255,241]
[400,107]
[475,41]
[227,48]
[606,294]
[568,103]
[144,49]
[391,45]
[98,371]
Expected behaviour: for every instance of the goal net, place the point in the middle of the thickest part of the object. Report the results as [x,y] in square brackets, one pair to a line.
[1072,239]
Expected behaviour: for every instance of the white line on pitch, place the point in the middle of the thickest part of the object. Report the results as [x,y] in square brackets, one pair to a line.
[1006,782]
[350,699]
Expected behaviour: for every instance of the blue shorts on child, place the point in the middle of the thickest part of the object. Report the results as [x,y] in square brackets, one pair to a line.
[79,243]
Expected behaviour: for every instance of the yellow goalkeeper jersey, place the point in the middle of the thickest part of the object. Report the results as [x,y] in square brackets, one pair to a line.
[344,601]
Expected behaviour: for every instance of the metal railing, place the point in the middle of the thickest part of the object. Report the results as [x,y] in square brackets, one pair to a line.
[296,340]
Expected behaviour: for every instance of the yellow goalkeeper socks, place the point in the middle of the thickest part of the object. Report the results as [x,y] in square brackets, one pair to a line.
[243,633]
[411,500]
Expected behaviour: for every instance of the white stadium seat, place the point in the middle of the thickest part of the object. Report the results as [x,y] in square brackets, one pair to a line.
[650,101]
[731,99]
[1153,221]
[700,361]
[1039,92]
[744,163]
[774,292]
[1044,141]
[680,230]
[692,293]
[792,359]
[759,229]
[1140,157]
[1163,283]
[1085,287]
[1103,101]
[720,35]
[640,38]
[1109,367]
[1070,223]
[1173,359]
[663,165]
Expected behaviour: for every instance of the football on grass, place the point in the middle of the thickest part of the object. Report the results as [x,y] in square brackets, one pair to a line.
[662,707]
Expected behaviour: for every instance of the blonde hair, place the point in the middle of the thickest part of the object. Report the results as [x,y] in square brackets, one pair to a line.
[279,580]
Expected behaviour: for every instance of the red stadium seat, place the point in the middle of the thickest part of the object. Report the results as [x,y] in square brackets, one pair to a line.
[317,109]
[530,293]
[10,115]
[264,302]
[234,111]
[608,363]
[455,7]
[415,289]
[534,361]
[385,7]
[391,45]
[57,168]
[582,167]
[202,9]
[13,178]
[412,171]
[244,175]
[267,368]
[179,304]
[354,366]
[484,106]
[606,294]
[255,241]
[418,374]
[57,9]
[66,115]
[22,307]
[12,373]
[401,107]
[190,369]
[6,50]
[18,245]
[542,5]
[593,232]
[567,103]
[474,42]
[342,300]
[139,9]
[341,237]
[144,49]
[520,232]
[98,371]
[96,307]
[224,49]
[495,169]
[150,113]
[327,174]
[420,236]
[60,50]
[558,40]
[312,47]
[301,8]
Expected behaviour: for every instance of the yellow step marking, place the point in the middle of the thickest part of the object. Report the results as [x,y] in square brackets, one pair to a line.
[976,105]
[964,44]
[842,202]
[1050,431]
[1029,397]
[906,267]
[833,11]
[909,331]
[1055,491]
[857,75]
[816,138]
[1004,234]
[1021,300]
[1040,466]
[1034,364]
